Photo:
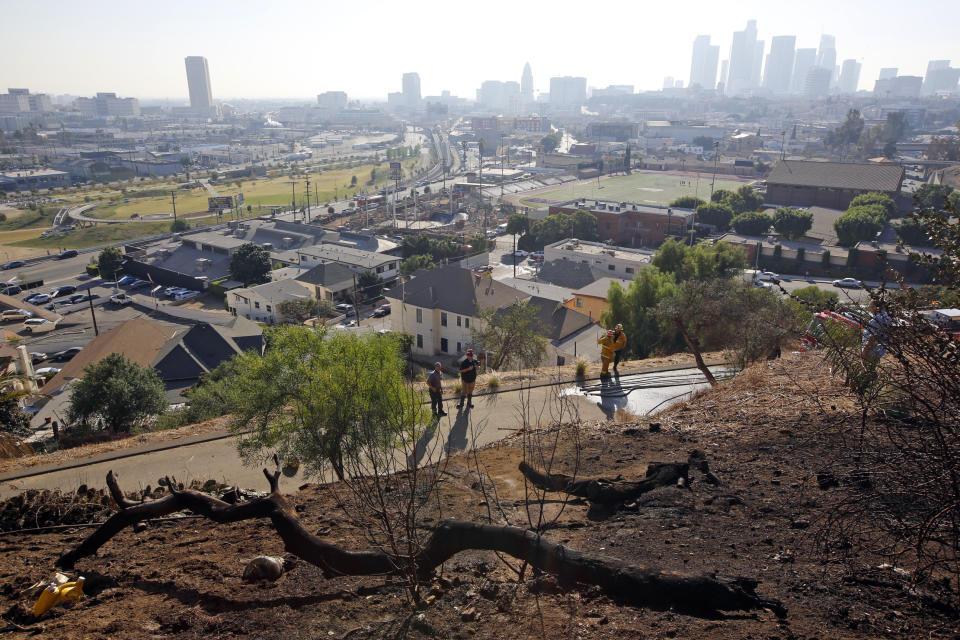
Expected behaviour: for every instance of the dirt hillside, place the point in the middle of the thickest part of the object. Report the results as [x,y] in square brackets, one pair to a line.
[761,433]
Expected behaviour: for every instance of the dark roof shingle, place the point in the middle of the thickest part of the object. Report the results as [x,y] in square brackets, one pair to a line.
[837,175]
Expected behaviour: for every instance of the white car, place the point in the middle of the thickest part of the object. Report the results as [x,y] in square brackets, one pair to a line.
[184,294]
[46,371]
[768,276]
[520,253]
[848,283]
[347,325]
[121,299]
[37,325]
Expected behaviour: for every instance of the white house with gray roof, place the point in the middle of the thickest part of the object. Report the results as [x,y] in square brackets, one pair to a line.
[357,260]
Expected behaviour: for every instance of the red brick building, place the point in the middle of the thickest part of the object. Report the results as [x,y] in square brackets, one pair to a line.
[629,223]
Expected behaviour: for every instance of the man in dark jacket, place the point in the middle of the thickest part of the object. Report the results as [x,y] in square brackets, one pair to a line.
[468,379]
[436,391]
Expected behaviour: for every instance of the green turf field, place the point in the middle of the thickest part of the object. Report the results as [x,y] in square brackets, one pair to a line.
[650,187]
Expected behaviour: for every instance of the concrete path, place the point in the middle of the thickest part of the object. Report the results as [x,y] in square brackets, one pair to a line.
[214,455]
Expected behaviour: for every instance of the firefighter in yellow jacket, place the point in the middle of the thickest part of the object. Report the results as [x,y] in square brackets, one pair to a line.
[607,349]
[619,342]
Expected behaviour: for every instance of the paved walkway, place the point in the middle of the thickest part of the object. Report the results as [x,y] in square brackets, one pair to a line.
[214,455]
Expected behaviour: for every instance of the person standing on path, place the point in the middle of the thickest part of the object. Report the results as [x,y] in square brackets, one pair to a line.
[436,391]
[619,343]
[468,379]
[606,352]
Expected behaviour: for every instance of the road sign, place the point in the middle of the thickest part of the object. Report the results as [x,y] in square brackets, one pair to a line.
[219,202]
[395,171]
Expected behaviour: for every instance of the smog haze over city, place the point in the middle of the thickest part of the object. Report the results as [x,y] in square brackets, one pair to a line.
[289,49]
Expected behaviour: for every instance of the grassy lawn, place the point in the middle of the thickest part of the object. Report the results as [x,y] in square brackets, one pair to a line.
[649,187]
[94,236]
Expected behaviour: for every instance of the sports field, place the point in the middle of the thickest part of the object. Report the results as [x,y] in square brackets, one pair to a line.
[651,187]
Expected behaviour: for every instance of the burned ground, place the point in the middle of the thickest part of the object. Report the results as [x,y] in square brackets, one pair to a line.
[765,436]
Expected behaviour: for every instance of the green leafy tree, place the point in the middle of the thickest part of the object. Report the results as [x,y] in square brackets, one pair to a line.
[353,181]
[635,308]
[751,199]
[179,225]
[812,299]
[911,232]
[876,199]
[119,392]
[858,224]
[583,225]
[933,196]
[301,309]
[369,286]
[752,223]
[514,335]
[713,261]
[719,215]
[110,262]
[329,396]
[415,263]
[670,257]
[846,134]
[250,264]
[703,141]
[687,202]
[550,142]
[792,223]
[720,195]
[518,224]
[13,420]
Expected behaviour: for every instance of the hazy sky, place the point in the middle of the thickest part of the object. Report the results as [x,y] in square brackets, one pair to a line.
[281,48]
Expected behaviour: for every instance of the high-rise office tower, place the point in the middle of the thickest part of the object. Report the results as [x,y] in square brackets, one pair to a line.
[827,53]
[668,82]
[703,67]
[817,84]
[198,83]
[887,73]
[411,90]
[568,91]
[849,76]
[743,54]
[526,86]
[803,61]
[779,68]
[724,72]
[940,78]
[755,74]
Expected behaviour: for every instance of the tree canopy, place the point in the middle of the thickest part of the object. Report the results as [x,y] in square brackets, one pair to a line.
[415,263]
[250,264]
[518,224]
[719,215]
[687,202]
[792,223]
[877,199]
[751,223]
[514,335]
[550,142]
[328,395]
[858,224]
[934,196]
[580,224]
[700,262]
[110,262]
[117,391]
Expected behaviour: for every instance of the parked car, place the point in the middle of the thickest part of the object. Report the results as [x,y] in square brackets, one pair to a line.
[11,290]
[13,264]
[121,299]
[66,354]
[382,310]
[69,253]
[848,283]
[82,297]
[169,291]
[64,290]
[184,294]
[536,256]
[37,357]
[346,309]
[40,298]
[520,253]
[139,284]
[768,276]
[125,280]
[37,325]
[15,314]
[47,372]
[347,324]
[33,296]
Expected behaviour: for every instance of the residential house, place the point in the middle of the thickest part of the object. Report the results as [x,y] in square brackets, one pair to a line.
[330,281]
[357,260]
[592,299]
[259,303]
[615,261]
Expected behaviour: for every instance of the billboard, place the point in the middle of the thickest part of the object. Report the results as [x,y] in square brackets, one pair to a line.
[395,171]
[219,202]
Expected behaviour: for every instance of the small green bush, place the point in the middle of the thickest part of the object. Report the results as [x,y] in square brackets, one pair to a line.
[493,383]
[581,369]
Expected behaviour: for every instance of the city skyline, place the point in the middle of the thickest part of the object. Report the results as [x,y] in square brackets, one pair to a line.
[260,58]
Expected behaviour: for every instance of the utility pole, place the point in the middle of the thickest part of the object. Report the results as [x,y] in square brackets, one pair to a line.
[93,313]
[356,301]
[293,198]
[716,156]
[308,198]
[173,200]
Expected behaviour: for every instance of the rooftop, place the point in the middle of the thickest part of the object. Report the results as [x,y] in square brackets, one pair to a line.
[837,175]
[456,290]
[599,288]
[584,247]
[347,255]
[613,206]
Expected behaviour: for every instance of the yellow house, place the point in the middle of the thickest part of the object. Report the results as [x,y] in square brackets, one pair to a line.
[591,300]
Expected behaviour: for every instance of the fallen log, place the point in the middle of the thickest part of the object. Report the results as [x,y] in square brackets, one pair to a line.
[610,491]
[629,584]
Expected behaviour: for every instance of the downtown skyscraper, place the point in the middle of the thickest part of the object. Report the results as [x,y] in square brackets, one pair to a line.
[703,66]
[779,68]
[198,83]
[746,54]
